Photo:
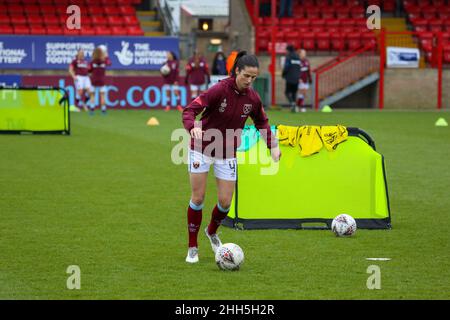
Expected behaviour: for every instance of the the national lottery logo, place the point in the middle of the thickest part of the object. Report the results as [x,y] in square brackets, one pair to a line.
[124,56]
[247,108]
[223,105]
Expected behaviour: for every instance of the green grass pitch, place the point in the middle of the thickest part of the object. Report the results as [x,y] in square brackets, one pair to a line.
[109,200]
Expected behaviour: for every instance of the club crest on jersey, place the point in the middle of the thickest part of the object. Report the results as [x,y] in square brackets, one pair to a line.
[247,108]
[223,105]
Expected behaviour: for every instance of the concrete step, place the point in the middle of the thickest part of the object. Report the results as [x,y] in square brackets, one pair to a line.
[154,34]
[146,15]
[352,88]
[154,23]
[151,29]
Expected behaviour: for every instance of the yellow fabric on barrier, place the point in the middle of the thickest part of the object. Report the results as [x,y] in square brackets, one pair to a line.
[311,139]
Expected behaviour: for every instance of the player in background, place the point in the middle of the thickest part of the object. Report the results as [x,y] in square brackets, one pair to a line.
[197,74]
[305,80]
[172,78]
[97,69]
[291,74]
[79,71]
[226,105]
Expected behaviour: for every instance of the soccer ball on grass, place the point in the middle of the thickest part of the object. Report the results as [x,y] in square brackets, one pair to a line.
[229,256]
[343,225]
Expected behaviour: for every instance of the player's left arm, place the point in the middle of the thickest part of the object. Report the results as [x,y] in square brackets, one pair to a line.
[261,122]
[108,61]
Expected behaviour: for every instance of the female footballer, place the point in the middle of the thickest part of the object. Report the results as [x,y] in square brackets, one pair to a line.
[78,70]
[225,106]
[100,61]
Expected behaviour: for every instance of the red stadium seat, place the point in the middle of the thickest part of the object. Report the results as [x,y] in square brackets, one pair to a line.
[71,32]
[6,29]
[46,9]
[99,21]
[263,44]
[96,10]
[302,22]
[87,31]
[21,29]
[35,20]
[342,13]
[328,13]
[112,11]
[135,31]
[127,10]
[429,13]
[119,31]
[333,23]
[32,9]
[102,31]
[426,40]
[280,35]
[446,56]
[414,13]
[287,22]
[292,36]
[347,22]
[131,21]
[357,12]
[420,25]
[368,37]
[446,36]
[18,20]
[4,19]
[337,41]
[52,20]
[308,41]
[389,6]
[38,30]
[312,12]
[14,8]
[347,29]
[323,41]
[444,15]
[54,30]
[114,21]
[354,40]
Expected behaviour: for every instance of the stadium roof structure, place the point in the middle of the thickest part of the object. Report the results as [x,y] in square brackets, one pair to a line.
[211,8]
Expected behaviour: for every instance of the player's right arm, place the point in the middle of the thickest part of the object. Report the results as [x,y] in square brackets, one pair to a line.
[207,99]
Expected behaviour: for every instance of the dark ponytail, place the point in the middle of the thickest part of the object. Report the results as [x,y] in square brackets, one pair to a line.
[244,60]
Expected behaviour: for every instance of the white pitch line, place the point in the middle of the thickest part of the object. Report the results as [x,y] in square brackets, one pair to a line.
[379,259]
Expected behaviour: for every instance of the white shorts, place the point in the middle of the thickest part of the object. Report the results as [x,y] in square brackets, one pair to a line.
[303,85]
[224,169]
[195,87]
[83,82]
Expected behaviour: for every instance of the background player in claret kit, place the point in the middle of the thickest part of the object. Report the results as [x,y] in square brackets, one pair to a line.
[171,79]
[305,80]
[232,99]
[97,69]
[197,74]
[79,70]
